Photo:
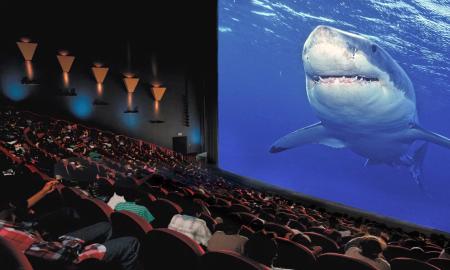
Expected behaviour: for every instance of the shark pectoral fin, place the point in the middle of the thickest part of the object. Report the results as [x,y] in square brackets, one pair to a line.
[416,168]
[315,133]
[418,133]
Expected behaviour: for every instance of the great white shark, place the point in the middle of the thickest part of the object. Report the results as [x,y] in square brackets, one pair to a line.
[365,102]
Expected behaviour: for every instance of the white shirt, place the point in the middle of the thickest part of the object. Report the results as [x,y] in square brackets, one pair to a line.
[192,227]
[115,199]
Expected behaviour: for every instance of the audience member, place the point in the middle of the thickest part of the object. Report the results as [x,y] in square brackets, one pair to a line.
[71,248]
[131,194]
[226,237]
[191,226]
[369,250]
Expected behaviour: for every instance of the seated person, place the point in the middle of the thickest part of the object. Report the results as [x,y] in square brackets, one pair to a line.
[70,248]
[193,227]
[369,250]
[65,171]
[131,194]
[261,248]
[226,237]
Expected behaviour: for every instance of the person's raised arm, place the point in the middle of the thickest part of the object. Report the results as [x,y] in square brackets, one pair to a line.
[48,188]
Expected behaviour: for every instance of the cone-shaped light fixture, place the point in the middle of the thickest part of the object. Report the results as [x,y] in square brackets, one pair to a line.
[65,61]
[130,82]
[158,92]
[100,73]
[27,49]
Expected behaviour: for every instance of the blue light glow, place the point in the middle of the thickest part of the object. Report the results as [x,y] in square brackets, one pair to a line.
[12,88]
[130,120]
[81,106]
[196,136]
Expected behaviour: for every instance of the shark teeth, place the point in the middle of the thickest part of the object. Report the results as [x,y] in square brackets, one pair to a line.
[344,78]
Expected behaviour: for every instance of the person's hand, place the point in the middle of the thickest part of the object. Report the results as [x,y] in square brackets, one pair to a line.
[49,186]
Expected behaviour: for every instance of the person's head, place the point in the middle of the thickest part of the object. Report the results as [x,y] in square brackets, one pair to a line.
[218,220]
[256,224]
[282,219]
[417,252]
[261,248]
[6,212]
[127,188]
[197,210]
[371,247]
[374,231]
[65,161]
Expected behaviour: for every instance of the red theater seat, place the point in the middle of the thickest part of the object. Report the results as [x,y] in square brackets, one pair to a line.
[287,215]
[267,216]
[411,264]
[228,260]
[11,258]
[432,248]
[392,252]
[223,202]
[163,210]
[301,239]
[292,255]
[280,230]
[171,250]
[431,254]
[210,222]
[93,211]
[126,223]
[443,264]
[246,231]
[335,261]
[183,201]
[327,244]
[71,196]
[159,192]
[246,218]
[240,208]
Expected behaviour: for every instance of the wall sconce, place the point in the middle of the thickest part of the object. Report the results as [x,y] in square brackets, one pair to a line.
[158,93]
[28,49]
[130,82]
[66,61]
[100,75]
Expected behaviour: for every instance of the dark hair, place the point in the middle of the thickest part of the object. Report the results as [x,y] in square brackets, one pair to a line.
[261,248]
[256,224]
[374,231]
[130,194]
[197,209]
[370,248]
[7,211]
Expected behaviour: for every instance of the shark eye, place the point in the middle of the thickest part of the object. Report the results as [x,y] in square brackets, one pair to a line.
[374,48]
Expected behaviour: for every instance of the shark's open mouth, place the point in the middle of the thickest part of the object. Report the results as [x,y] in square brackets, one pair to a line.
[342,78]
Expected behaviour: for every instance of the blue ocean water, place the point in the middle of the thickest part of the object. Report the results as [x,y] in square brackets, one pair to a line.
[262,98]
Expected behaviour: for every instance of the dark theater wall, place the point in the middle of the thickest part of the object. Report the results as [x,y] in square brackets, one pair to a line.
[80,108]
[179,44]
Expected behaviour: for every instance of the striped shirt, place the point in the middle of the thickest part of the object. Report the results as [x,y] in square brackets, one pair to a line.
[137,209]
